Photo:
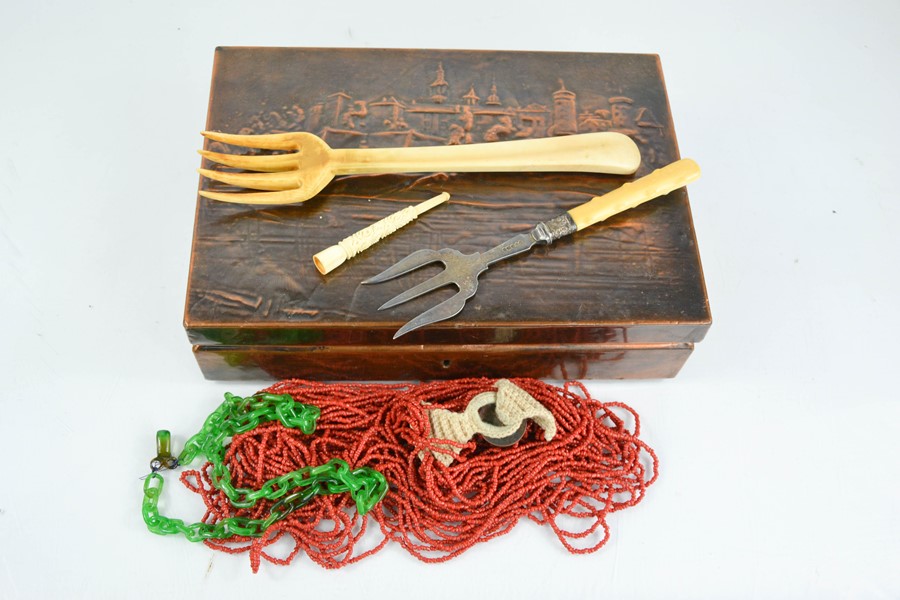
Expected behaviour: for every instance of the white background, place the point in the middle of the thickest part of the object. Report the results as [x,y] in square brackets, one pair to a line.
[779,440]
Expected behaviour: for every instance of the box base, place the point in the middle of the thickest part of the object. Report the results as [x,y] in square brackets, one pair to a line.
[421,363]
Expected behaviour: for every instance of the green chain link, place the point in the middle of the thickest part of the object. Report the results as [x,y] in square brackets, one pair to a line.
[237,415]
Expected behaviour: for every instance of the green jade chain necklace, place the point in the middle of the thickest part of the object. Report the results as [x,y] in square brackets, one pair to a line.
[292,490]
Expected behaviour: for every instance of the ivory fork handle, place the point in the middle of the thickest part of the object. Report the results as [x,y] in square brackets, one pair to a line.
[606,152]
[658,183]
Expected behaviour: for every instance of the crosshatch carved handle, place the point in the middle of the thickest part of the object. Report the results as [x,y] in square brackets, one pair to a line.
[656,184]
[606,152]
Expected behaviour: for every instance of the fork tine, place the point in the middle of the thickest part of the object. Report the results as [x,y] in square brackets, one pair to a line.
[269,141]
[271,198]
[255,181]
[267,163]
[417,259]
[445,310]
[438,281]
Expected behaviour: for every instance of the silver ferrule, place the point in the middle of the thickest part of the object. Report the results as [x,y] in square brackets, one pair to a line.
[552,230]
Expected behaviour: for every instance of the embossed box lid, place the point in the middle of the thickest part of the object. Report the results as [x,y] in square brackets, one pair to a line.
[636,279]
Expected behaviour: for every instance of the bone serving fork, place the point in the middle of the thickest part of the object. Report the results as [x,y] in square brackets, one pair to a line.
[310,164]
[462,270]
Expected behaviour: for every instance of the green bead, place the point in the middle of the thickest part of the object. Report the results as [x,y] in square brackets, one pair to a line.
[164,458]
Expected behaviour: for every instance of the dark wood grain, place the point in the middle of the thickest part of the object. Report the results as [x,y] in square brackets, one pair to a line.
[635,280]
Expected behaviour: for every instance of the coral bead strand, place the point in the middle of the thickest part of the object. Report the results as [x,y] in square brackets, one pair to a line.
[594,466]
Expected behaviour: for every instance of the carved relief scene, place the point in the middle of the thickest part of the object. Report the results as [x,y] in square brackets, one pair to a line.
[462,109]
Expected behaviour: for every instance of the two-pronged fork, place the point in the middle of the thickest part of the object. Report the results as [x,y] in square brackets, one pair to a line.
[310,164]
[462,270]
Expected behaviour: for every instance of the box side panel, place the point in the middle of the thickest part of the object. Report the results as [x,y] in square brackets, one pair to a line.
[413,363]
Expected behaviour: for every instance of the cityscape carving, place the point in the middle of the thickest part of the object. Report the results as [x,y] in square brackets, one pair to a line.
[456,114]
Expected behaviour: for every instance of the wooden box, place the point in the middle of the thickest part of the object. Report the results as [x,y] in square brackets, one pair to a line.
[624,299]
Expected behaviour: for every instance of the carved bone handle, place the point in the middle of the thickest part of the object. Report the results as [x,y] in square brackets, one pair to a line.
[334,256]
[605,152]
[658,183]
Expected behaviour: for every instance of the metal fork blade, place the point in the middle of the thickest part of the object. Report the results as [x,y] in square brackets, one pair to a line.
[438,281]
[462,270]
[285,180]
[445,310]
[417,259]
[270,141]
[268,163]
